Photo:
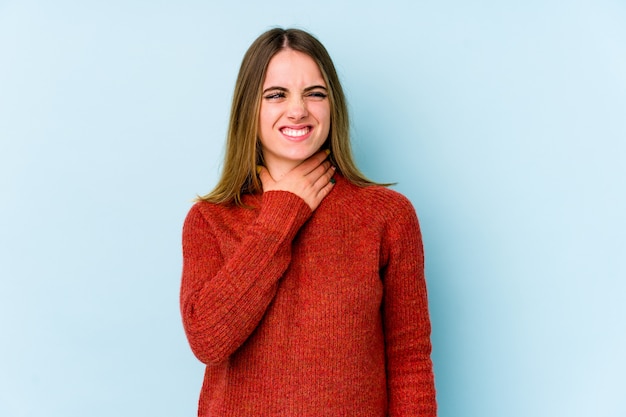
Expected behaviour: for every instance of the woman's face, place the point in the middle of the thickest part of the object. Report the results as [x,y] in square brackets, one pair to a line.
[294,117]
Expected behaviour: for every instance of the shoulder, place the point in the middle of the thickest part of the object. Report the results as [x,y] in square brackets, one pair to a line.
[375,208]
[377,200]
[197,215]
[209,209]
[204,212]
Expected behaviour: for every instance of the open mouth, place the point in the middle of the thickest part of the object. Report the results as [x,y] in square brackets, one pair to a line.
[295,133]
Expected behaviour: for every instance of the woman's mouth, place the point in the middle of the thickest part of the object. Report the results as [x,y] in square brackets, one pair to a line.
[295,133]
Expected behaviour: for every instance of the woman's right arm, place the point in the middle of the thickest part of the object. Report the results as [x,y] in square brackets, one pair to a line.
[223,300]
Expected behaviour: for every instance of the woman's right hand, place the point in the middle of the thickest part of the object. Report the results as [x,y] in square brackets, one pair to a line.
[311,180]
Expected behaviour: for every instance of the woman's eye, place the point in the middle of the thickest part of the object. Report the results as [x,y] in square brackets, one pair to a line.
[318,95]
[275,96]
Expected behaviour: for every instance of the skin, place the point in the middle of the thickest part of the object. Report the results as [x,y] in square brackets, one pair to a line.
[294,123]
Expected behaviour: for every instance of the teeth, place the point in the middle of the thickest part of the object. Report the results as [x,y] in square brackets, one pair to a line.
[295,132]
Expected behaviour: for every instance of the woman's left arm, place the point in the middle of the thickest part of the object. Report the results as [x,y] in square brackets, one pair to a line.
[410,378]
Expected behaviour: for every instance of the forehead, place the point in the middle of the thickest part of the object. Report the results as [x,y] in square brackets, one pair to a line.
[292,68]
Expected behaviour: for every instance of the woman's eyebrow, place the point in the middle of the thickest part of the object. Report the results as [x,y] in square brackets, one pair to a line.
[313,87]
[274,89]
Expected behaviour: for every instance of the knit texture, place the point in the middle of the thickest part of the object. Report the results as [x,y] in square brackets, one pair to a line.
[300,313]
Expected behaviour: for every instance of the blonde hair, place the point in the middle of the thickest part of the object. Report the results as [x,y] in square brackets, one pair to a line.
[243,150]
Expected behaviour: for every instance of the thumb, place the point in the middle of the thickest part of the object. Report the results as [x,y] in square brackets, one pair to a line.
[264,176]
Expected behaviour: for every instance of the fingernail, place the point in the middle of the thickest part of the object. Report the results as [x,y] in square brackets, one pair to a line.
[327,151]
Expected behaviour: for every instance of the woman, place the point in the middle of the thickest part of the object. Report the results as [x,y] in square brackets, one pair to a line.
[303,289]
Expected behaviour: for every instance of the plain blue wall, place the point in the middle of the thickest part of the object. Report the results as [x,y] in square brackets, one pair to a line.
[503,121]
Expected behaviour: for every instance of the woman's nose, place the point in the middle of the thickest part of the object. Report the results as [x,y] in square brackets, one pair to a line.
[297,109]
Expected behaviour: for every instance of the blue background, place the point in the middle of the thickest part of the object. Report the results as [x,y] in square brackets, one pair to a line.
[503,121]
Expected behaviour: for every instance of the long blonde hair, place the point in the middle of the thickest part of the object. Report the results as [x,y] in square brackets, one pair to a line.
[243,150]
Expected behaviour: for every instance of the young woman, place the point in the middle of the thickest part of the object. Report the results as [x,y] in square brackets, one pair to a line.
[303,285]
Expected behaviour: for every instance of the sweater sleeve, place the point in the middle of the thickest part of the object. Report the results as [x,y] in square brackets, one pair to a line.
[223,300]
[410,379]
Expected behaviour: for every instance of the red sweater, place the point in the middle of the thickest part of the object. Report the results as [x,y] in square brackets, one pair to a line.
[300,313]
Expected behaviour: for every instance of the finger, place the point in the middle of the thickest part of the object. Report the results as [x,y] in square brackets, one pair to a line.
[313,162]
[325,190]
[319,171]
[264,175]
[326,177]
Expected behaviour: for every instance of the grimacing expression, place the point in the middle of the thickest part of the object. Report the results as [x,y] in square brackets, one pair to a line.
[294,118]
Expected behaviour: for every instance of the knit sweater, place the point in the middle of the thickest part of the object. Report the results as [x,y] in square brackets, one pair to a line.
[301,313]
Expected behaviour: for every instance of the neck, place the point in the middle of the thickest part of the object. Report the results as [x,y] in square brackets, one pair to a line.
[278,169]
